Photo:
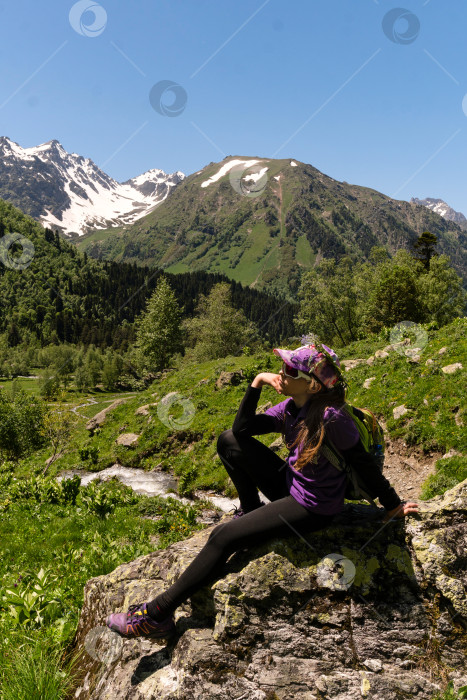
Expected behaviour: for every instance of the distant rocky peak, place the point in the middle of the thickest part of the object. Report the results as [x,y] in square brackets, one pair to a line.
[69,192]
[439,206]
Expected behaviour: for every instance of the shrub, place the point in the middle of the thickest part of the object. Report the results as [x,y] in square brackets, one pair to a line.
[21,424]
[90,453]
[29,600]
[70,489]
[45,490]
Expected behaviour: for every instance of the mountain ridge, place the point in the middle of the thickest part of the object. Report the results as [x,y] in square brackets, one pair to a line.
[264,222]
[70,193]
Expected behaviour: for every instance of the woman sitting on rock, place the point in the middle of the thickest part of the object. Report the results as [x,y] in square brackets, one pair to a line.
[305,492]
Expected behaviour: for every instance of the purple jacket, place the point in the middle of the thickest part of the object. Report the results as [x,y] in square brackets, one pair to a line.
[320,487]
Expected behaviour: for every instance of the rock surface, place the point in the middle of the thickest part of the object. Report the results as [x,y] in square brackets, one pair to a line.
[399,411]
[225,378]
[351,364]
[450,369]
[144,410]
[99,418]
[127,439]
[278,625]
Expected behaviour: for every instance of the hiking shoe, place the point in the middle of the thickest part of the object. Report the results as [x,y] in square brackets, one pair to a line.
[137,623]
[238,512]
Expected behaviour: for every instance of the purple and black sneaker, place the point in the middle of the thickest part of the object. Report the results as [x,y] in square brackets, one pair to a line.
[137,623]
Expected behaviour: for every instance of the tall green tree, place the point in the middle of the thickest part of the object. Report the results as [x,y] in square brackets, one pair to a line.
[425,248]
[329,301]
[441,292]
[111,371]
[21,424]
[394,296]
[158,331]
[219,329]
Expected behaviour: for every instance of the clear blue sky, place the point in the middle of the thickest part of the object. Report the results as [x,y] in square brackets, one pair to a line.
[320,77]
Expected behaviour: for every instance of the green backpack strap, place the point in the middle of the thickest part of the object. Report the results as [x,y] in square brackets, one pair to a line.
[370,431]
[336,458]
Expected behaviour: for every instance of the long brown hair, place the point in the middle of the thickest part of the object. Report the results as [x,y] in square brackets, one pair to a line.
[312,428]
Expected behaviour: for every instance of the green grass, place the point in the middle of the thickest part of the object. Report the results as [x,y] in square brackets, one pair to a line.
[449,472]
[29,384]
[304,254]
[38,668]
[434,399]
[71,545]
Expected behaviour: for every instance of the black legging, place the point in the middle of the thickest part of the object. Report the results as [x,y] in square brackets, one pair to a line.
[251,465]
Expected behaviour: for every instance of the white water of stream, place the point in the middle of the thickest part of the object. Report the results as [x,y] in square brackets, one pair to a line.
[155,483]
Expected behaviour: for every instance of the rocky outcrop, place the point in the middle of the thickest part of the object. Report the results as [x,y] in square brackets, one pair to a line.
[362,609]
[100,417]
[351,364]
[225,378]
[399,411]
[450,369]
[144,410]
[127,439]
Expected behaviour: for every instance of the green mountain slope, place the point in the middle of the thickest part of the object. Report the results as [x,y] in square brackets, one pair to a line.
[267,240]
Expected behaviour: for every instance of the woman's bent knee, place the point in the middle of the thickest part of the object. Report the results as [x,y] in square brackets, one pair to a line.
[225,440]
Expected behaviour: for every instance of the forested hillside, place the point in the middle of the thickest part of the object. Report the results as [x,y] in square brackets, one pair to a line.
[62,295]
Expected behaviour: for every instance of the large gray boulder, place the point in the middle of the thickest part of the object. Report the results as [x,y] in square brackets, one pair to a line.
[389,621]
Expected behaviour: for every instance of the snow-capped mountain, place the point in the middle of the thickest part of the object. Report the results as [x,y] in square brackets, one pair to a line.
[443,209]
[68,192]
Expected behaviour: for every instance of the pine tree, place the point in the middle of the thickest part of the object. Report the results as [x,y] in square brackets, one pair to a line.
[158,334]
[424,248]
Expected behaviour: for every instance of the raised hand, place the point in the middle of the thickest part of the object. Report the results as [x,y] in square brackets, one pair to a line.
[269,378]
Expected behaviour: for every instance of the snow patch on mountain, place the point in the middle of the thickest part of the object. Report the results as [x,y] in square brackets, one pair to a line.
[227,167]
[68,192]
[256,176]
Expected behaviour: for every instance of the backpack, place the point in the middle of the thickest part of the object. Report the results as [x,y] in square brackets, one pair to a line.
[372,437]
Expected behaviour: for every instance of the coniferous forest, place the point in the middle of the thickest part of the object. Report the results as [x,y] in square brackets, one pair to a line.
[64,296]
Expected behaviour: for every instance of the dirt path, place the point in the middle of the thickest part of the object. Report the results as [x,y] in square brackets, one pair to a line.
[407,468]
